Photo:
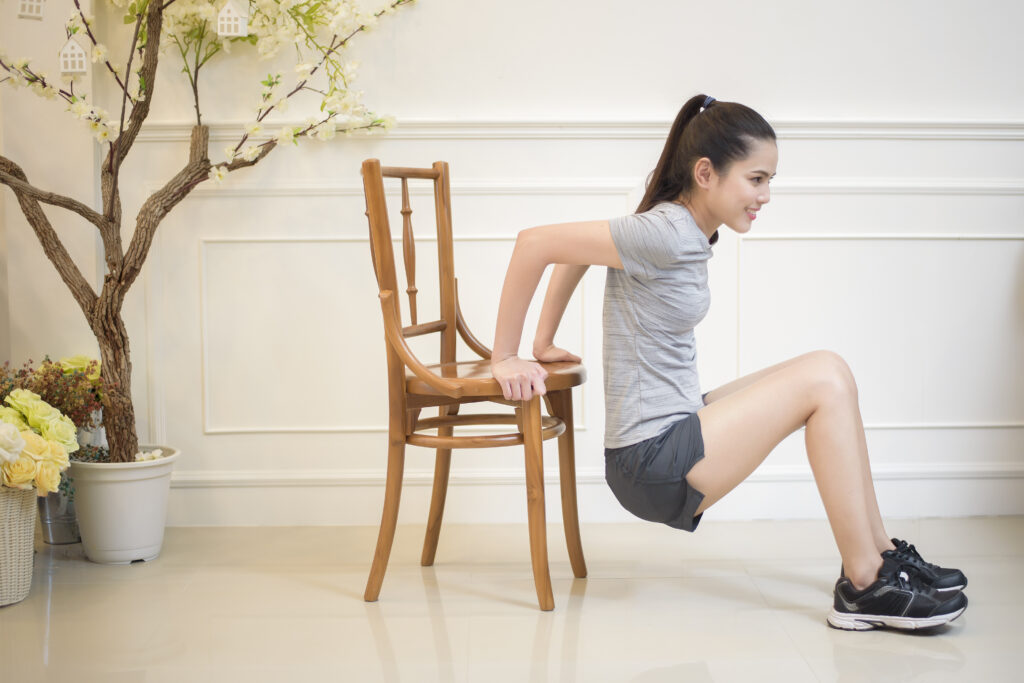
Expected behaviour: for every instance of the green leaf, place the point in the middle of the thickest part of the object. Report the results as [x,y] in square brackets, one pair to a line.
[129,19]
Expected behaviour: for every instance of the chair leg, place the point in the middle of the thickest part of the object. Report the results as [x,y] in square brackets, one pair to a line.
[560,406]
[442,465]
[392,496]
[530,419]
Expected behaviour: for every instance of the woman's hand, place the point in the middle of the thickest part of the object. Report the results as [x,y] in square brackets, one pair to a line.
[552,354]
[519,379]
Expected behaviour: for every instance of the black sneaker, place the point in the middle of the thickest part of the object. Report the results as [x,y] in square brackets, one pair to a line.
[898,599]
[940,578]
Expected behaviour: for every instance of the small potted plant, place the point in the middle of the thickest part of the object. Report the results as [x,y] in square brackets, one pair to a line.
[35,440]
[115,527]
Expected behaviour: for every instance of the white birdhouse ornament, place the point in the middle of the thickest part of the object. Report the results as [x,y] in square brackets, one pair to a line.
[72,58]
[30,9]
[233,19]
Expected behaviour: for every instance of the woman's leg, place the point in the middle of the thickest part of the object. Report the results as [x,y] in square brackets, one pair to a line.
[746,419]
[882,539]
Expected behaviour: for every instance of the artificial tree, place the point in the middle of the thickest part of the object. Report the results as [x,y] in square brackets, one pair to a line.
[318,30]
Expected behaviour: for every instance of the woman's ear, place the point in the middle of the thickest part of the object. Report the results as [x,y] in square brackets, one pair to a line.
[703,173]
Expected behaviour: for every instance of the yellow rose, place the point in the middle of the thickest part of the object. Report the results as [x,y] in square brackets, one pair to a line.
[57,455]
[18,474]
[63,431]
[82,364]
[21,399]
[47,478]
[12,416]
[39,413]
[36,446]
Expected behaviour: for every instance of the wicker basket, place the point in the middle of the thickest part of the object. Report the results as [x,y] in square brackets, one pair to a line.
[17,536]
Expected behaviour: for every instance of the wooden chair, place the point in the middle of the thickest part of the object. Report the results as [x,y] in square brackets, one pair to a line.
[413,385]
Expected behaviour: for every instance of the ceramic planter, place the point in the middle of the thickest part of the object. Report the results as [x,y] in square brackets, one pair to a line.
[122,507]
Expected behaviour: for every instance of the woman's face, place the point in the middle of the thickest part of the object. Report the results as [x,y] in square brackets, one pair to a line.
[735,198]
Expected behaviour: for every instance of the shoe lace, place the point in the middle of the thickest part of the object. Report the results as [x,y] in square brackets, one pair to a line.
[908,578]
[906,551]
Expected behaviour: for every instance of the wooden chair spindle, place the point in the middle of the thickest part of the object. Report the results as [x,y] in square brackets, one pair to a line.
[409,249]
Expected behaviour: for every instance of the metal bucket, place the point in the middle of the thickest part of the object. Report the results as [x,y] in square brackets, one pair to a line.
[57,518]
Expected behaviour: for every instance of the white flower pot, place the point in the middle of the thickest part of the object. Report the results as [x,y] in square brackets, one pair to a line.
[122,507]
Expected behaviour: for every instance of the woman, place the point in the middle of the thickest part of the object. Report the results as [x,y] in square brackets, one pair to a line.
[671,453]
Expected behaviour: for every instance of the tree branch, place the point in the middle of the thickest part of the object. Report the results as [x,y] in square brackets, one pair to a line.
[160,203]
[52,246]
[16,183]
[154,24]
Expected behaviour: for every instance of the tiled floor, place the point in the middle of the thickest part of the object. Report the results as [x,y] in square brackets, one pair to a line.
[737,601]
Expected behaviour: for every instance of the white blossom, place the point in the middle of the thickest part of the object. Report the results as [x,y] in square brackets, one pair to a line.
[286,136]
[367,19]
[217,174]
[229,154]
[250,152]
[99,52]
[326,131]
[302,71]
[80,108]
[253,127]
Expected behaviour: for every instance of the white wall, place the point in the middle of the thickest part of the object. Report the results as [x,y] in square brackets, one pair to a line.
[895,237]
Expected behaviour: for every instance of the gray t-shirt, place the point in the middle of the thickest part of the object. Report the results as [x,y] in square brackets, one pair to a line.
[650,309]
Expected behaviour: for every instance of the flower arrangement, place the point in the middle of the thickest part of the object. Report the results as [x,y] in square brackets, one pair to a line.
[316,32]
[35,442]
[71,385]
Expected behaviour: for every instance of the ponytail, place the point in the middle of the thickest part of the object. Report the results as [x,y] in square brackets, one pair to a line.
[704,127]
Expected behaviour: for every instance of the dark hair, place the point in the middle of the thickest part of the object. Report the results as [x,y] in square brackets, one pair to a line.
[722,132]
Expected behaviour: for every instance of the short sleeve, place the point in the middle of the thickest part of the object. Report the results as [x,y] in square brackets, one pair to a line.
[650,243]
[644,241]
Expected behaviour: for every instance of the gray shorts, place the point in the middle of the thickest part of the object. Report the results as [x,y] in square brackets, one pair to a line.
[649,477]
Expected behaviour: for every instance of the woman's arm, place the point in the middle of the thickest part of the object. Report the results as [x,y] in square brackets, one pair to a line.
[581,244]
[564,280]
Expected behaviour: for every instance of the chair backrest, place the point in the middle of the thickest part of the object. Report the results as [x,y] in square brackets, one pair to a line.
[384,254]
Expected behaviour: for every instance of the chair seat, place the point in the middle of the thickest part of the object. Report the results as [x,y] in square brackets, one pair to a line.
[477,380]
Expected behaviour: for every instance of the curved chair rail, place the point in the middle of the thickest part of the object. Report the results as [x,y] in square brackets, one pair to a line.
[551,427]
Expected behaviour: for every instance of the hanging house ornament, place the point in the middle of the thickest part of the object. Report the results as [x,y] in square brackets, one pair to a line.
[233,20]
[72,58]
[30,9]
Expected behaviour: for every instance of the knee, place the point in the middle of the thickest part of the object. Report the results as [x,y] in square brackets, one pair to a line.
[832,375]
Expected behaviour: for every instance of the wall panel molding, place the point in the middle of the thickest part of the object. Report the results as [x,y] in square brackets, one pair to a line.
[198,479]
[157,413]
[525,129]
[605,186]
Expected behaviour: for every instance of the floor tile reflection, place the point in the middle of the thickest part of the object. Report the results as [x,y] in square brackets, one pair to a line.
[736,601]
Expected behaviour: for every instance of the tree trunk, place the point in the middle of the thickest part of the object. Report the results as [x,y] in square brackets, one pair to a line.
[118,411]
